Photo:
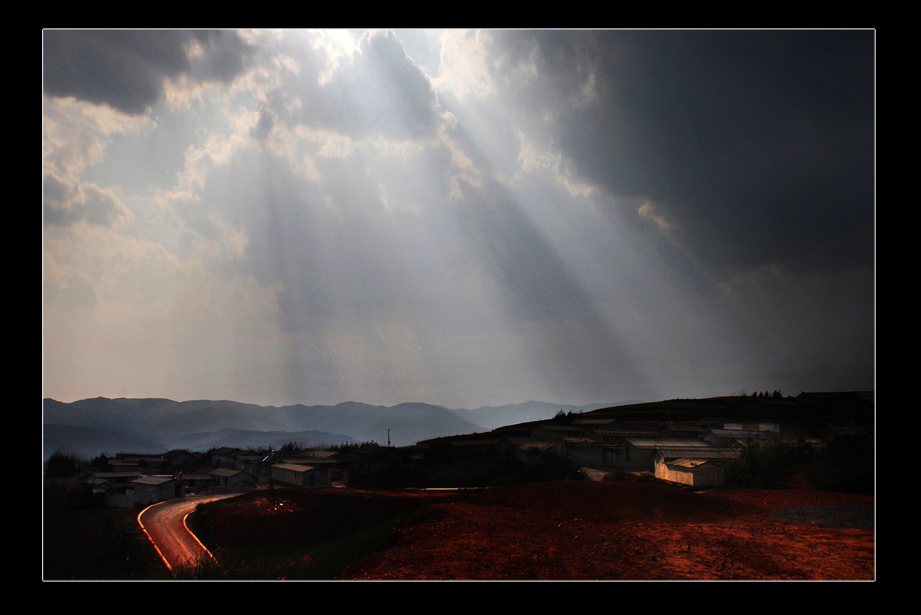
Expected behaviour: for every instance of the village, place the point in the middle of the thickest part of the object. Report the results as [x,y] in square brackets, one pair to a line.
[688,442]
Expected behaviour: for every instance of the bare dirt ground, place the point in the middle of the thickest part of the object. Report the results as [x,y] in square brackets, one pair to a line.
[575,530]
[632,531]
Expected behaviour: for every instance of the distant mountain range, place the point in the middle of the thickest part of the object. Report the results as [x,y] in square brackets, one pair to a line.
[102,425]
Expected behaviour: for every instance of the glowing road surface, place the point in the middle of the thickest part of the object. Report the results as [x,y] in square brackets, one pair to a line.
[164,523]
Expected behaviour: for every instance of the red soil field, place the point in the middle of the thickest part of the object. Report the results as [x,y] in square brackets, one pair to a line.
[626,530]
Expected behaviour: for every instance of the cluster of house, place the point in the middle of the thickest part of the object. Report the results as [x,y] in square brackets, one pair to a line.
[133,479]
[688,451]
[692,451]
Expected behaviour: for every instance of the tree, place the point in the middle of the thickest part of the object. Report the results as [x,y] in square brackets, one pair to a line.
[290,448]
[761,464]
[100,462]
[61,465]
[847,463]
[564,418]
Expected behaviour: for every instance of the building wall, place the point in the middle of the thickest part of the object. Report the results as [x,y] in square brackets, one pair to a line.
[663,472]
[284,475]
[120,499]
[639,459]
[145,494]
[613,457]
[585,455]
[150,494]
[704,475]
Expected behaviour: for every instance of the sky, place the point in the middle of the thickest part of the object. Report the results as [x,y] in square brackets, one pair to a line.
[457,217]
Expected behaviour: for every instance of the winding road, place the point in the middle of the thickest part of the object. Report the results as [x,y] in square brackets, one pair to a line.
[164,523]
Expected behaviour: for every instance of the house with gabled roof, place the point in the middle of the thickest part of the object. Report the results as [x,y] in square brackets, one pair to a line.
[183,460]
[196,481]
[699,466]
[150,489]
[116,478]
[533,449]
[721,437]
[146,463]
[693,472]
[225,456]
[116,486]
[641,453]
[231,477]
[584,450]
[299,475]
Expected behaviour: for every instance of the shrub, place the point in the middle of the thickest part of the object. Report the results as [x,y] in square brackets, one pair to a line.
[846,464]
[62,464]
[762,463]
[58,497]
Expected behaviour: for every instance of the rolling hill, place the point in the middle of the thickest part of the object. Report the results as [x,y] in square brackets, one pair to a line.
[104,425]
[96,425]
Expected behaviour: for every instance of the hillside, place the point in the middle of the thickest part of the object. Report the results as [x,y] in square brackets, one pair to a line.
[618,525]
[103,425]
[88,442]
[492,417]
[145,424]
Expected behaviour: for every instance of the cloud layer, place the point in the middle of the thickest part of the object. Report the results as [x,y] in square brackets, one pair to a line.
[457,217]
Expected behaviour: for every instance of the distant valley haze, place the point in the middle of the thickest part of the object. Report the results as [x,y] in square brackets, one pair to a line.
[320,222]
[100,425]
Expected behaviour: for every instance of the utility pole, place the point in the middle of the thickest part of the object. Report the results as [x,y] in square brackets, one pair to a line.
[388,437]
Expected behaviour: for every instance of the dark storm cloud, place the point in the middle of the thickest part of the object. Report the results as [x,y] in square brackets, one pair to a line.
[225,54]
[125,68]
[757,145]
